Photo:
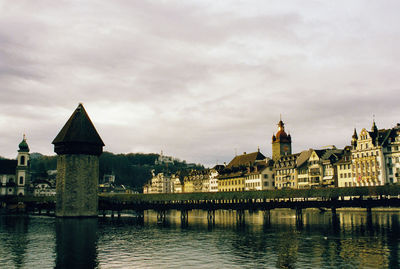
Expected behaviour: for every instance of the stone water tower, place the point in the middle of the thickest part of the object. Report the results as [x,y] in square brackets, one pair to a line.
[78,146]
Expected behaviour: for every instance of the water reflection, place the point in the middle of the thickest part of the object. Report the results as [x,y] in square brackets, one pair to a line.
[344,240]
[76,243]
[14,244]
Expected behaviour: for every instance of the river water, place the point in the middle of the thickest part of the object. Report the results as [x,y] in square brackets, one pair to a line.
[351,240]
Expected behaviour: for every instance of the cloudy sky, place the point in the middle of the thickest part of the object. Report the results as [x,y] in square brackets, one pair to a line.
[198,79]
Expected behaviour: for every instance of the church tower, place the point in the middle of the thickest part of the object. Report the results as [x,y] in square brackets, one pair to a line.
[78,146]
[281,142]
[22,179]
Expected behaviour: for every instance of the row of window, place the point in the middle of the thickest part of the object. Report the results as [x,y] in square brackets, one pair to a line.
[344,175]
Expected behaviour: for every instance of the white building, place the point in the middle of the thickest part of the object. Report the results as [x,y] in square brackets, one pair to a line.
[159,183]
[44,188]
[260,176]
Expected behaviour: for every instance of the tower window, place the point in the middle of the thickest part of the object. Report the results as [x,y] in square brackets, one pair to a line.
[22,160]
[21,180]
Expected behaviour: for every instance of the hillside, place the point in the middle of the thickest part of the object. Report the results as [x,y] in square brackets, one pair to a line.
[133,169]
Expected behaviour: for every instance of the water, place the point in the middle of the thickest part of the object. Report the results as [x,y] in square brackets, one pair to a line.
[352,240]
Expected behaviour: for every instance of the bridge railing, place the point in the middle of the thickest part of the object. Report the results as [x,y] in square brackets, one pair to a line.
[324,193]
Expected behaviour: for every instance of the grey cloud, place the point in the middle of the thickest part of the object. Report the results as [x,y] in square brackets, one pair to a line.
[197,79]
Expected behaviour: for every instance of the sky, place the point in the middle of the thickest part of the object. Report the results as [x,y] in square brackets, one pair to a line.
[199,80]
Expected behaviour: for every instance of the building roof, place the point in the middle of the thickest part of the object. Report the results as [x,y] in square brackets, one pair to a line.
[281,135]
[23,146]
[287,161]
[8,167]
[78,136]
[246,159]
[303,157]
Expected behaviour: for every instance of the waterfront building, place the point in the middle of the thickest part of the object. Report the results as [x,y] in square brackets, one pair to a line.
[213,177]
[302,163]
[232,177]
[15,174]
[160,183]
[375,156]
[177,185]
[343,167]
[329,167]
[392,156]
[197,181]
[260,176]
[286,172]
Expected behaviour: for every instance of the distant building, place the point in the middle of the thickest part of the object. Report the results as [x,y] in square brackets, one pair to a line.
[15,174]
[109,178]
[44,188]
[164,159]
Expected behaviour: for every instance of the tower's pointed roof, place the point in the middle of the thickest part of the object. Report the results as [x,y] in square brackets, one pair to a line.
[78,136]
[355,136]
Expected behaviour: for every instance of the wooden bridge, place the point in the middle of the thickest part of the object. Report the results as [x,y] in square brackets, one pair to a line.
[297,199]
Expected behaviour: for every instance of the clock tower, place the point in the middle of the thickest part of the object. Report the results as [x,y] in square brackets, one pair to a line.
[281,142]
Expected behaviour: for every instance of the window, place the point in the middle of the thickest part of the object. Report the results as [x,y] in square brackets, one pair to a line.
[21,180]
[22,160]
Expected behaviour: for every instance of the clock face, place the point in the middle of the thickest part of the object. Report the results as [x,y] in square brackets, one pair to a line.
[285,149]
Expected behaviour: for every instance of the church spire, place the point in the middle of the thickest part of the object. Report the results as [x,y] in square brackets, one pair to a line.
[354,139]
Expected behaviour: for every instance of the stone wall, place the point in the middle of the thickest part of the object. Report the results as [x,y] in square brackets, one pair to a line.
[77,184]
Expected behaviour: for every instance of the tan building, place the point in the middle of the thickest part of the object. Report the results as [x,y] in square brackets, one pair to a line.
[232,178]
[375,156]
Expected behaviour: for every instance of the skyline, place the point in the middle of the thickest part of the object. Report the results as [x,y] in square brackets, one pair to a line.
[198,81]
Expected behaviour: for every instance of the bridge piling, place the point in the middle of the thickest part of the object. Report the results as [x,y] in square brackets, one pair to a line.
[211,216]
[161,216]
[240,217]
[267,217]
[299,217]
[184,218]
